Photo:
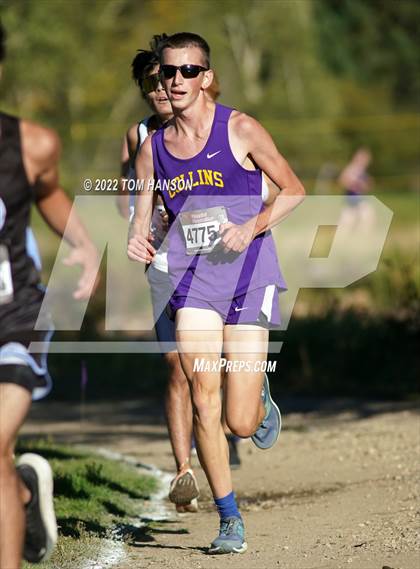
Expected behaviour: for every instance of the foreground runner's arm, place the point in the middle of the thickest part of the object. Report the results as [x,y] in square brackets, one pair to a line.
[41,149]
[139,247]
[248,137]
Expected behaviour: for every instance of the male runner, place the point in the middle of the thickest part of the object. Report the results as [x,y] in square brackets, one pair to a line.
[145,71]
[227,296]
[29,157]
[184,488]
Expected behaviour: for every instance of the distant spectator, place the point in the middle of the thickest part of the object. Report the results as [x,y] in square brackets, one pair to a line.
[356,181]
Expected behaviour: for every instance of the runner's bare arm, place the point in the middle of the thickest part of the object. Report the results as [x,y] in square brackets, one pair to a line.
[248,137]
[128,154]
[41,152]
[123,198]
[139,247]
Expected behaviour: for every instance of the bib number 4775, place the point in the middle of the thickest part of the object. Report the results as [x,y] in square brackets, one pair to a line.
[201,235]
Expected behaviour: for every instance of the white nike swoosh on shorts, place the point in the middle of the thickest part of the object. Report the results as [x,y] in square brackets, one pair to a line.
[239,309]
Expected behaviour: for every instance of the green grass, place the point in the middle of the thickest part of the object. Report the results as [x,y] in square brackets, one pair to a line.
[349,354]
[92,494]
[71,553]
[405,205]
[394,288]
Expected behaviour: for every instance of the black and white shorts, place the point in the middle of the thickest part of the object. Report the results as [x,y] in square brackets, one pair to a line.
[22,367]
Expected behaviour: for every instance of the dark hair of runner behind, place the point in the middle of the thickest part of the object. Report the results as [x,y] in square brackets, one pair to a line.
[145,60]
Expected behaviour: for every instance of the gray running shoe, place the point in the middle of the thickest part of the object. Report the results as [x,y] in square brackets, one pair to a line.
[231,537]
[268,432]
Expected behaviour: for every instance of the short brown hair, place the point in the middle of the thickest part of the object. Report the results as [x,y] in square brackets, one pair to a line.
[186,39]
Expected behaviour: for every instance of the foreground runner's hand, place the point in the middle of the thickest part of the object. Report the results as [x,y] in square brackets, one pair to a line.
[140,249]
[236,237]
[87,256]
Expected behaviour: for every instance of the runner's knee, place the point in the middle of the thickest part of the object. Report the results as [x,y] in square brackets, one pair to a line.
[242,425]
[177,377]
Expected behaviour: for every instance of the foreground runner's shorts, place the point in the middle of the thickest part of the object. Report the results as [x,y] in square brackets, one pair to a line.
[21,367]
[259,307]
[161,290]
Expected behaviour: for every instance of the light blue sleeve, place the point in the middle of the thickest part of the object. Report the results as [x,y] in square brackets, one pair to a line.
[32,248]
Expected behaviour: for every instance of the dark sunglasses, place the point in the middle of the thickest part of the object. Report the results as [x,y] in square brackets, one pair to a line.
[150,83]
[188,71]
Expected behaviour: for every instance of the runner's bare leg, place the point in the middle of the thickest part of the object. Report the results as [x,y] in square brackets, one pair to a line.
[244,409]
[14,405]
[200,335]
[178,411]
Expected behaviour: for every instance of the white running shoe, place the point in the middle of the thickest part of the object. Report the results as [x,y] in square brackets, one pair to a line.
[41,525]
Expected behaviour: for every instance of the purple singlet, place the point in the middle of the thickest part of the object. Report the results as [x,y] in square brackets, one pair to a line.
[213,178]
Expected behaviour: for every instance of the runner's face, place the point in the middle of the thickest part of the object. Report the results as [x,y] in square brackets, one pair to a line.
[183,92]
[158,100]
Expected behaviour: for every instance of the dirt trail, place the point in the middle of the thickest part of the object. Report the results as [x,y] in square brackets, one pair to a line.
[339,490]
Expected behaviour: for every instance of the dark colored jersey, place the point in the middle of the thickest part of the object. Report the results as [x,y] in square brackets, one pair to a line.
[20,291]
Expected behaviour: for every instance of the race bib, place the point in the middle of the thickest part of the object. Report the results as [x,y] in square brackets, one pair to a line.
[6,283]
[201,229]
